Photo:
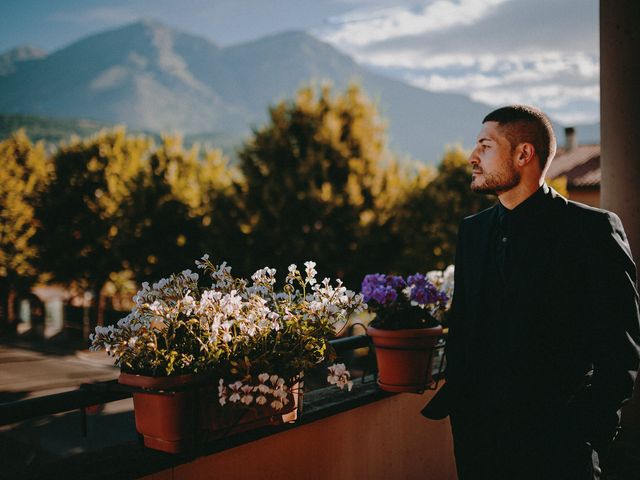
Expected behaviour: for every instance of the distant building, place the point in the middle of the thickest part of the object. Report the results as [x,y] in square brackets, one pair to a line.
[580,165]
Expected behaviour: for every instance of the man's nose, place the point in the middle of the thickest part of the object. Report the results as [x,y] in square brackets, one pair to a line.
[473,158]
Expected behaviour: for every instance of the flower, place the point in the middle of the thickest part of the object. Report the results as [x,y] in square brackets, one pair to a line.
[420,300]
[311,272]
[247,390]
[340,376]
[235,391]
[252,336]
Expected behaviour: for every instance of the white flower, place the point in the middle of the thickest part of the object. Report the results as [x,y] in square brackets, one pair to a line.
[226,332]
[235,388]
[261,400]
[202,263]
[262,388]
[222,392]
[339,376]
[277,405]
[280,394]
[311,272]
[263,377]
[247,398]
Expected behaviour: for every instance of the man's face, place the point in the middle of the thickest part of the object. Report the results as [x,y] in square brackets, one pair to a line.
[493,162]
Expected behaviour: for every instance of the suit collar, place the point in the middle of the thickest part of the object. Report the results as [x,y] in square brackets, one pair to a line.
[526,212]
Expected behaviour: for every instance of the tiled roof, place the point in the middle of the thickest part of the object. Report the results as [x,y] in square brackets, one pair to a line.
[581,166]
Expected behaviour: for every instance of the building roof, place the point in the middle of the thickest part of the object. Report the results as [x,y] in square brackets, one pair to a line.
[581,166]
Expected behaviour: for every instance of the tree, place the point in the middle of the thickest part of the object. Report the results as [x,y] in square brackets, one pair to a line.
[24,176]
[222,209]
[88,212]
[165,228]
[428,219]
[310,176]
[181,207]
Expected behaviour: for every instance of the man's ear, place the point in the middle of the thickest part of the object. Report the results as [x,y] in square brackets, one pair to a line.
[526,152]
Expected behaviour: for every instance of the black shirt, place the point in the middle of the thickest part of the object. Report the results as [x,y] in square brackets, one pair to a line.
[511,237]
[513,230]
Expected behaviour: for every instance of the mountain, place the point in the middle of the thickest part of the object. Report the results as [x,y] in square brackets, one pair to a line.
[54,131]
[51,130]
[154,78]
[9,61]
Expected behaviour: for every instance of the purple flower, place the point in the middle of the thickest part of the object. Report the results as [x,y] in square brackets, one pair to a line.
[385,289]
[381,288]
[418,280]
[396,281]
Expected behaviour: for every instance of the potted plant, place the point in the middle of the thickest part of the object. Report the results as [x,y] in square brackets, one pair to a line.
[207,359]
[407,324]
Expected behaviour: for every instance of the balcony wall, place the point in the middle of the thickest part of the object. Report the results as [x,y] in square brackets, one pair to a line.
[386,439]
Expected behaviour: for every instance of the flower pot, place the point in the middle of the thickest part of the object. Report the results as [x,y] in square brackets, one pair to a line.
[170,415]
[232,419]
[405,357]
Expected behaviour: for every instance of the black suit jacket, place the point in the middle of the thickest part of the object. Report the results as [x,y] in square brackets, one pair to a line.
[573,344]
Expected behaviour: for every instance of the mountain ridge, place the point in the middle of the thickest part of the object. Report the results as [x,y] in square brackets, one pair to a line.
[152,77]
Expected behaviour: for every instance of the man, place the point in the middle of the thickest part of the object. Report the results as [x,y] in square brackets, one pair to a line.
[544,330]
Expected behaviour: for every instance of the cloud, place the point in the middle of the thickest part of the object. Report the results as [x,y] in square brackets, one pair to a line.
[553,96]
[541,52]
[365,26]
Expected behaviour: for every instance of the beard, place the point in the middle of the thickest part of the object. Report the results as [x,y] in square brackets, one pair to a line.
[495,183]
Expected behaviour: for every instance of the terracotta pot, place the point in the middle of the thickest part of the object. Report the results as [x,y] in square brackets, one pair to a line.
[233,419]
[405,357]
[170,417]
[177,413]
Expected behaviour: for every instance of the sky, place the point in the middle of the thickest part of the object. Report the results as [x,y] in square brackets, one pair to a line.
[539,52]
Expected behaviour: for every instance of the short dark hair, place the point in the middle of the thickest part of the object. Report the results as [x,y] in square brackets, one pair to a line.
[522,123]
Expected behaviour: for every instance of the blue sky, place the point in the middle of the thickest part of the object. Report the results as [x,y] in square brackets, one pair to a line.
[541,52]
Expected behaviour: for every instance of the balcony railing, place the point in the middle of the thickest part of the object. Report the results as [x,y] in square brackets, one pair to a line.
[131,460]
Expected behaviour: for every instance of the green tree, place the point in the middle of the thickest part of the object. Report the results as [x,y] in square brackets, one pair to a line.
[383,240]
[88,212]
[310,175]
[428,220]
[222,210]
[181,209]
[24,176]
[165,226]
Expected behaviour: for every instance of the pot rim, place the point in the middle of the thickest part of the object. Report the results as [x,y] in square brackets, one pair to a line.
[405,332]
[160,382]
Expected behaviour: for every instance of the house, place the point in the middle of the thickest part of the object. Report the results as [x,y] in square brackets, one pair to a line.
[580,165]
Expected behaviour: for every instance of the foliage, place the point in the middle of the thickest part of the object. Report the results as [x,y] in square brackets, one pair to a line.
[175,199]
[49,130]
[316,181]
[416,301]
[230,328]
[88,212]
[559,184]
[427,221]
[311,176]
[24,176]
